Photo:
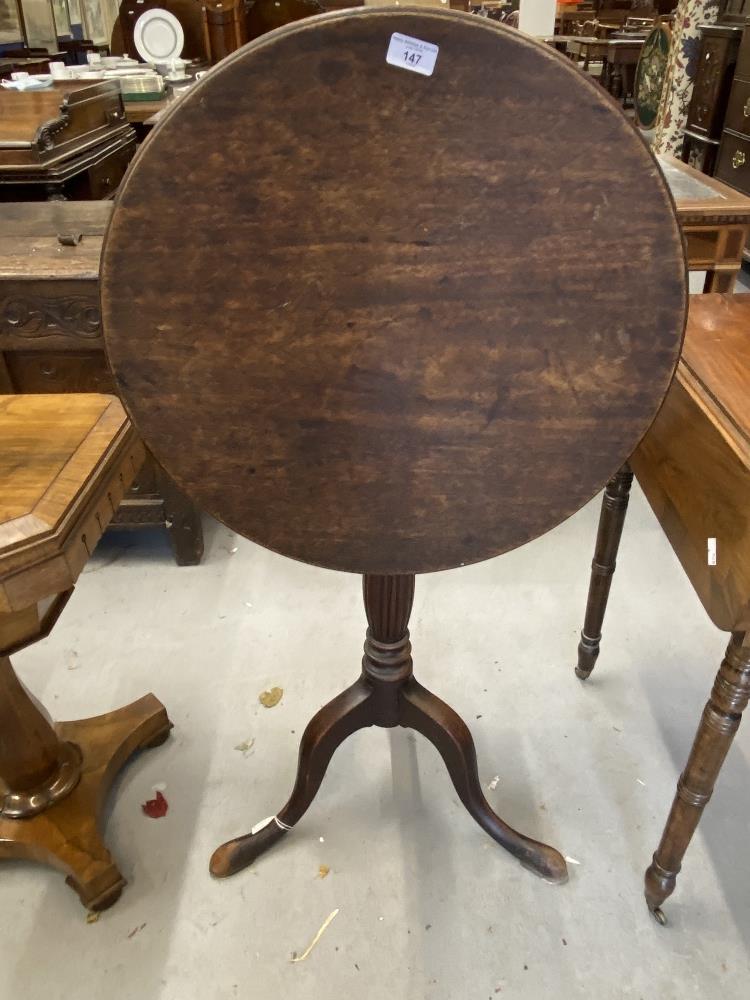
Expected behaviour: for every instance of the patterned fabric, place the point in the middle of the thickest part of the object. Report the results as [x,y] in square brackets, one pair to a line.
[683,65]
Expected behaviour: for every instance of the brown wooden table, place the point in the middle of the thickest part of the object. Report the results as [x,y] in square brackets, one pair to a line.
[715,220]
[619,57]
[377,374]
[51,340]
[694,467]
[65,462]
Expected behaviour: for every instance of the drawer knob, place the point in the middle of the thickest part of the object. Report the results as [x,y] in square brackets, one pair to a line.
[738,160]
[746,108]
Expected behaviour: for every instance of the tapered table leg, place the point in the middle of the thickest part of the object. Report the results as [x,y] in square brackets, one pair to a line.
[611,521]
[720,721]
[430,716]
[54,780]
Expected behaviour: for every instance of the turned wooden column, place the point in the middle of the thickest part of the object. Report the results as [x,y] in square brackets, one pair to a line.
[719,723]
[387,653]
[36,768]
[611,521]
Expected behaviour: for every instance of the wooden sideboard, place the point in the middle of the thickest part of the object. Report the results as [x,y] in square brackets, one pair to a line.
[69,141]
[51,339]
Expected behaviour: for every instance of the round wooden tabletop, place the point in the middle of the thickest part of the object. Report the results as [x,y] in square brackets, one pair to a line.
[391,314]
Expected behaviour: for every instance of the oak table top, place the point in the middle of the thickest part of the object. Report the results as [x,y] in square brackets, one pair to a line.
[397,352]
[65,463]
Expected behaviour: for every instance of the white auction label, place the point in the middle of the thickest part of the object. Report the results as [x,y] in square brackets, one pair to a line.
[412,53]
[711,551]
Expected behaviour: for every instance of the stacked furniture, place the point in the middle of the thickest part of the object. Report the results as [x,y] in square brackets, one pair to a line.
[51,340]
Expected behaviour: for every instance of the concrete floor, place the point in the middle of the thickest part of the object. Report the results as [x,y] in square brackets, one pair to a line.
[429,907]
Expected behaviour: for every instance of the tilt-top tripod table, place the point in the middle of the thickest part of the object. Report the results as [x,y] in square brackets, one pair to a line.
[420,312]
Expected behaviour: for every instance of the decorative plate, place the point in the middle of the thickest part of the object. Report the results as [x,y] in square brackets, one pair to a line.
[650,75]
[158,36]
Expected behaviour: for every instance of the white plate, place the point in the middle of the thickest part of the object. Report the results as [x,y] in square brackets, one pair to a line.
[158,36]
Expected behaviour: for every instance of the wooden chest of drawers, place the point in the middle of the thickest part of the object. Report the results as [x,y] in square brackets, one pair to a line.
[738,110]
[733,162]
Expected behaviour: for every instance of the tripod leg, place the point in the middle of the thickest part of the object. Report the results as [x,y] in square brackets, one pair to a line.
[345,714]
[425,712]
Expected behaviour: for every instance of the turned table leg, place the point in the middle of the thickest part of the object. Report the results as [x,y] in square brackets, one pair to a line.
[720,721]
[611,521]
[54,780]
[36,768]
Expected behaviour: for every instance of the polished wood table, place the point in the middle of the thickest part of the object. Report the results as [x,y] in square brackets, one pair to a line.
[378,373]
[715,220]
[51,340]
[65,463]
[694,467]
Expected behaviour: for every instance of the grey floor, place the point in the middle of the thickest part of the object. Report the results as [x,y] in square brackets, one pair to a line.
[428,907]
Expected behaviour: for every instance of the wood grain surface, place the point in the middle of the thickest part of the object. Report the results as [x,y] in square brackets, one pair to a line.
[694,463]
[65,462]
[393,323]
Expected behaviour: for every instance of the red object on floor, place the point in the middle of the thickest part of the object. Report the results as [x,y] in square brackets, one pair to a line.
[157,807]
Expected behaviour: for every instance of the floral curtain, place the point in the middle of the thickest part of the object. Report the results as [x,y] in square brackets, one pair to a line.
[681,70]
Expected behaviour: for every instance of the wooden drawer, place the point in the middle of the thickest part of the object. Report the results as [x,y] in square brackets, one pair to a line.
[733,163]
[738,110]
[59,371]
[104,177]
[742,68]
